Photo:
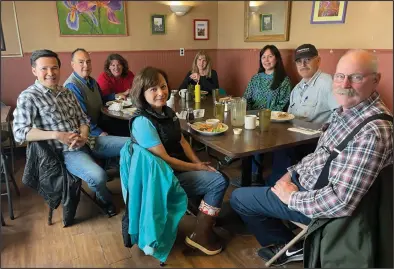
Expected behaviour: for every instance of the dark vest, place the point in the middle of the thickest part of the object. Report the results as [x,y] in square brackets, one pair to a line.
[168,128]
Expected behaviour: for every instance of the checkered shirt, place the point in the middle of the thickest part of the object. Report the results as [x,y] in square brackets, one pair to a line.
[47,110]
[353,171]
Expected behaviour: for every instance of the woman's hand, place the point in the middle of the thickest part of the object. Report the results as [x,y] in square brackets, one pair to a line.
[195,77]
[204,166]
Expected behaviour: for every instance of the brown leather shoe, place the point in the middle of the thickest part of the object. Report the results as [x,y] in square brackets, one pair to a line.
[203,238]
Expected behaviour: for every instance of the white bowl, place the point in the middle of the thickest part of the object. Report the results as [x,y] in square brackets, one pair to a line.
[213,122]
[237,131]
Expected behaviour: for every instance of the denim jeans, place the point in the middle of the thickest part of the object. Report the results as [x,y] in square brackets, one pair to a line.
[262,212]
[81,164]
[211,185]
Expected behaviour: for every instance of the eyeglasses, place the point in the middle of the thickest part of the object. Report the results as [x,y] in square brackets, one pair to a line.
[304,61]
[353,78]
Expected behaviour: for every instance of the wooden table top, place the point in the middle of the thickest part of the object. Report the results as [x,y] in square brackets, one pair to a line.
[5,111]
[249,142]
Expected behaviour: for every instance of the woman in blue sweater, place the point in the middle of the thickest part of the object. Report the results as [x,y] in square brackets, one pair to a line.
[154,126]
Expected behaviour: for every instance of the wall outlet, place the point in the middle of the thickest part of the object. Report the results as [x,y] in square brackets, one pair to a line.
[181,52]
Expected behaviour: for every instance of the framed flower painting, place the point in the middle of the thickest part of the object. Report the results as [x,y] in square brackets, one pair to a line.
[92,18]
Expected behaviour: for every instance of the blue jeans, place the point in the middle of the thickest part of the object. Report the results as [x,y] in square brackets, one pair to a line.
[81,164]
[211,185]
[262,212]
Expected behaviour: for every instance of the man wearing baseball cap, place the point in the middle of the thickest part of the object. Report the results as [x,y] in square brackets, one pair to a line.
[312,97]
[311,100]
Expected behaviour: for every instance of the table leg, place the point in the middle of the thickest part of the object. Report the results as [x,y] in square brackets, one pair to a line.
[246,173]
[246,176]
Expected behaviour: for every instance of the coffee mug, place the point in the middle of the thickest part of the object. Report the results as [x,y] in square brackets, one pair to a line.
[250,122]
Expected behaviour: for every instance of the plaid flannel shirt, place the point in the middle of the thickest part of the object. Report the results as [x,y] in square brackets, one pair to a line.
[355,168]
[47,110]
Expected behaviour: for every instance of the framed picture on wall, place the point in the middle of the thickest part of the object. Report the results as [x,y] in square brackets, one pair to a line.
[324,12]
[2,41]
[201,29]
[158,24]
[265,22]
[92,18]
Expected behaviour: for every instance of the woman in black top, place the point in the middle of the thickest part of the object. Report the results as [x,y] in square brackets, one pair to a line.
[202,73]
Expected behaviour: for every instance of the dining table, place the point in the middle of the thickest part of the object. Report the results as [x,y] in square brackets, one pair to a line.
[245,145]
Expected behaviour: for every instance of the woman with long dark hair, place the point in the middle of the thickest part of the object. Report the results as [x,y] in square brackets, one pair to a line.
[270,87]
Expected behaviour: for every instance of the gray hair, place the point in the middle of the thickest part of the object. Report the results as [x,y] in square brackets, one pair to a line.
[76,50]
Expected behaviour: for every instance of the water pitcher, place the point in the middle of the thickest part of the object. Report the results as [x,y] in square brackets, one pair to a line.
[238,111]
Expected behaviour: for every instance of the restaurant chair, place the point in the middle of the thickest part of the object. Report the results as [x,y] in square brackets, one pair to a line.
[7,177]
[7,139]
[290,244]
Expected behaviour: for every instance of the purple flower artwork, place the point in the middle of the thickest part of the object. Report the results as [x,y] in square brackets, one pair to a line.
[91,18]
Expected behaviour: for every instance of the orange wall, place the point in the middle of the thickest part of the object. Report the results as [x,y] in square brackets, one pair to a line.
[368,25]
[38,24]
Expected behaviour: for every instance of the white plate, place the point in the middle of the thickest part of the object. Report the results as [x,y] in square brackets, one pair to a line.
[275,118]
[203,92]
[124,103]
[112,102]
[193,126]
[129,110]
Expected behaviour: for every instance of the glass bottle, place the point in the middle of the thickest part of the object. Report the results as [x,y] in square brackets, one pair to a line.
[190,115]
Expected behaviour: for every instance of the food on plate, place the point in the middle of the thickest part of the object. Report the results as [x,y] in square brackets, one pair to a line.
[204,127]
[282,115]
[113,102]
[213,122]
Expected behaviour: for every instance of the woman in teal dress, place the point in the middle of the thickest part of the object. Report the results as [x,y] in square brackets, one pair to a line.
[270,87]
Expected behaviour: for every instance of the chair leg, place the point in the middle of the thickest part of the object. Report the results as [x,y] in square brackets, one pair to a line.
[13,180]
[287,246]
[50,214]
[93,200]
[12,147]
[9,195]
[2,219]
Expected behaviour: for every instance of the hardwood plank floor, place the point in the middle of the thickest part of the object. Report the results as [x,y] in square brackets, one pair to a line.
[96,240]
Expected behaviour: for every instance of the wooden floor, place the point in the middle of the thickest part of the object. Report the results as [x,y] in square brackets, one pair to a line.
[96,240]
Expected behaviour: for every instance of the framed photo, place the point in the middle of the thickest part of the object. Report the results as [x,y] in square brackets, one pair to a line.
[265,22]
[92,18]
[324,12]
[2,42]
[158,24]
[201,29]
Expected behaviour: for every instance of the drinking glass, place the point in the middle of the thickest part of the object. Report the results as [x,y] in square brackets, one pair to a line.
[215,95]
[219,111]
[264,119]
[238,111]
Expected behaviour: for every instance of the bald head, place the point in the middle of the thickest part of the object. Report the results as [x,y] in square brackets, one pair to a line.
[361,58]
[356,78]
